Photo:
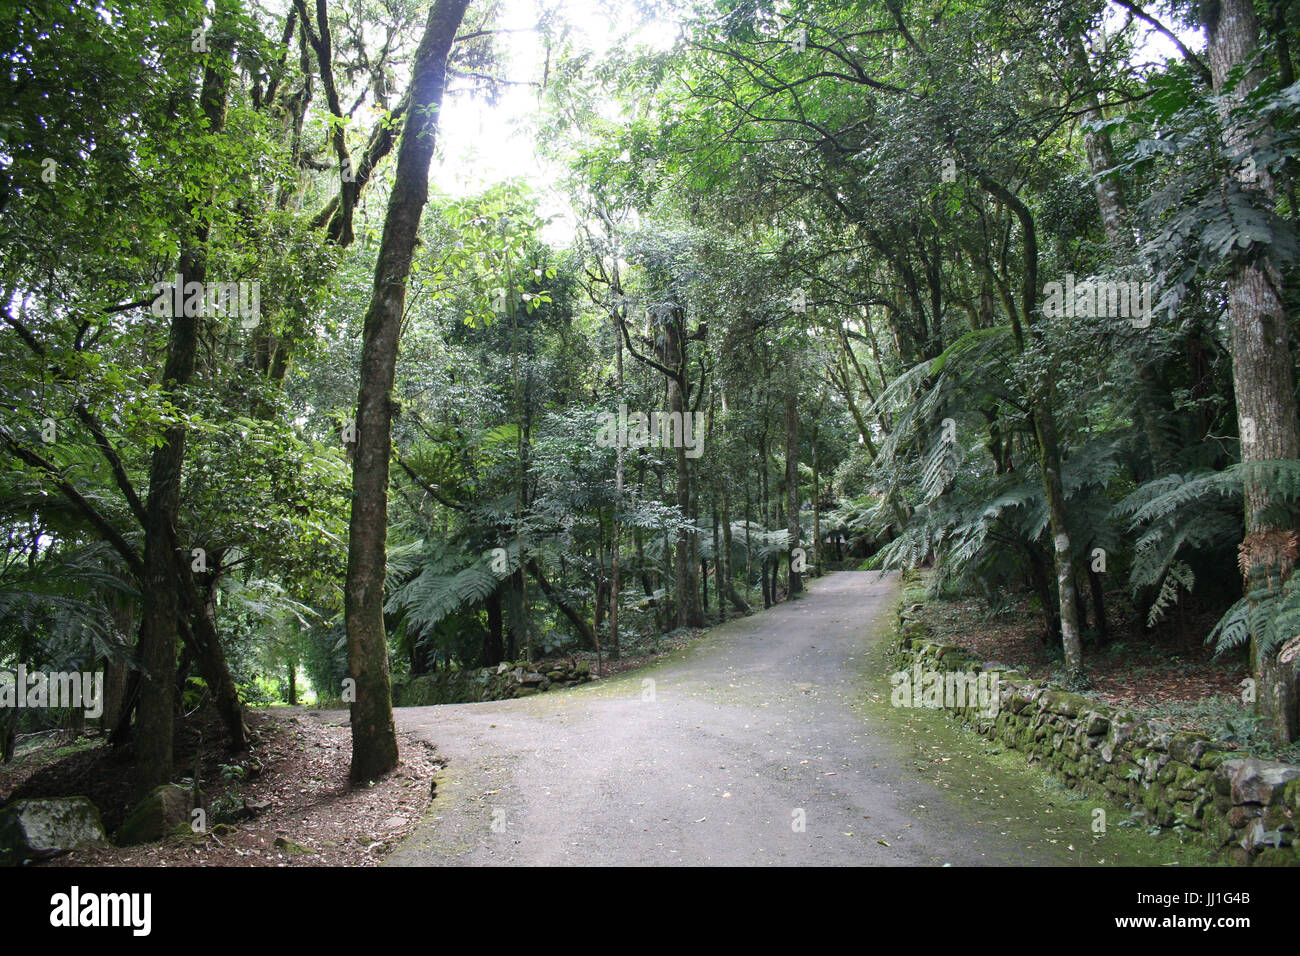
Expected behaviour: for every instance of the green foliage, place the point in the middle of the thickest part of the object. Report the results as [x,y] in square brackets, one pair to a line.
[444,585]
[1270,614]
[860,230]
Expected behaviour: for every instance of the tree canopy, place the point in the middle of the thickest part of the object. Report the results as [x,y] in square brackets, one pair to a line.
[1006,290]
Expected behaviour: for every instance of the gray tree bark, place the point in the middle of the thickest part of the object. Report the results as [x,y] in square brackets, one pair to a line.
[1262,374]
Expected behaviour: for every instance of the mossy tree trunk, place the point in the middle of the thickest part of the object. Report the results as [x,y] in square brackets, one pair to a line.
[374,740]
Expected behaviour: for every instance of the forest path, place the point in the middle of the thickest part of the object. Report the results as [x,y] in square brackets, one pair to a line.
[763,717]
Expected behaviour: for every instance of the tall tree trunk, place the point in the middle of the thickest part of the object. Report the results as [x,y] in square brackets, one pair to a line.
[689,613]
[719,564]
[816,506]
[729,574]
[749,552]
[374,740]
[200,632]
[1098,604]
[493,647]
[515,603]
[1042,396]
[1049,462]
[792,484]
[122,614]
[161,606]
[1100,151]
[1040,581]
[1156,408]
[1263,378]
[615,571]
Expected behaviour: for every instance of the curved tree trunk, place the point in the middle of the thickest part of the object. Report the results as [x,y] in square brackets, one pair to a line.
[575,617]
[1042,397]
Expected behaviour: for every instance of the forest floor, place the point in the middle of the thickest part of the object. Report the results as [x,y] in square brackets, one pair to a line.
[286,802]
[769,741]
[703,748]
[1167,674]
[289,805]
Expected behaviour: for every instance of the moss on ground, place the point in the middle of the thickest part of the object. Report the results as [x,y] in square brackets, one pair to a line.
[996,787]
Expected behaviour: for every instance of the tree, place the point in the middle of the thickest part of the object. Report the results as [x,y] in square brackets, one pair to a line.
[1262,368]
[374,740]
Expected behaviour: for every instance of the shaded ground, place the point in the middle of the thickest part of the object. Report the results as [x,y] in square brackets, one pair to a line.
[646,652]
[1157,674]
[713,755]
[294,779]
[766,723]
[1168,674]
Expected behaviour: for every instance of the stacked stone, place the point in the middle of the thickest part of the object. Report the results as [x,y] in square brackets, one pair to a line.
[503,682]
[1248,810]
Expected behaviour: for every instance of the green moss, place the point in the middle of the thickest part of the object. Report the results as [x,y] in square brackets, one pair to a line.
[985,777]
[286,845]
[157,816]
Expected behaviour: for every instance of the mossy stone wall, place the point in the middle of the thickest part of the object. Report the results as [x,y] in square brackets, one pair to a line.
[503,682]
[1246,809]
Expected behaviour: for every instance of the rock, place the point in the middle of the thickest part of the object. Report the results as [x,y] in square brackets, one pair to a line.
[1278,818]
[1239,817]
[1187,747]
[1063,703]
[1257,781]
[40,829]
[1259,837]
[288,846]
[1120,733]
[157,815]
[1151,764]
[1095,723]
[1213,758]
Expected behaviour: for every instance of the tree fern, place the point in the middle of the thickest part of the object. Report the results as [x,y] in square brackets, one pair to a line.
[437,592]
[1270,615]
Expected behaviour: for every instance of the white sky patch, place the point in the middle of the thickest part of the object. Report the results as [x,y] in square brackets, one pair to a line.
[484,144]
[489,143]
[1153,46]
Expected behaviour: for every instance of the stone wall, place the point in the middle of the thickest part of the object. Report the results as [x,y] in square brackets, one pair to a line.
[502,682]
[1246,809]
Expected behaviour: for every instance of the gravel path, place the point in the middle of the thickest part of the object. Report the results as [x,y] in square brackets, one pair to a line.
[759,727]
